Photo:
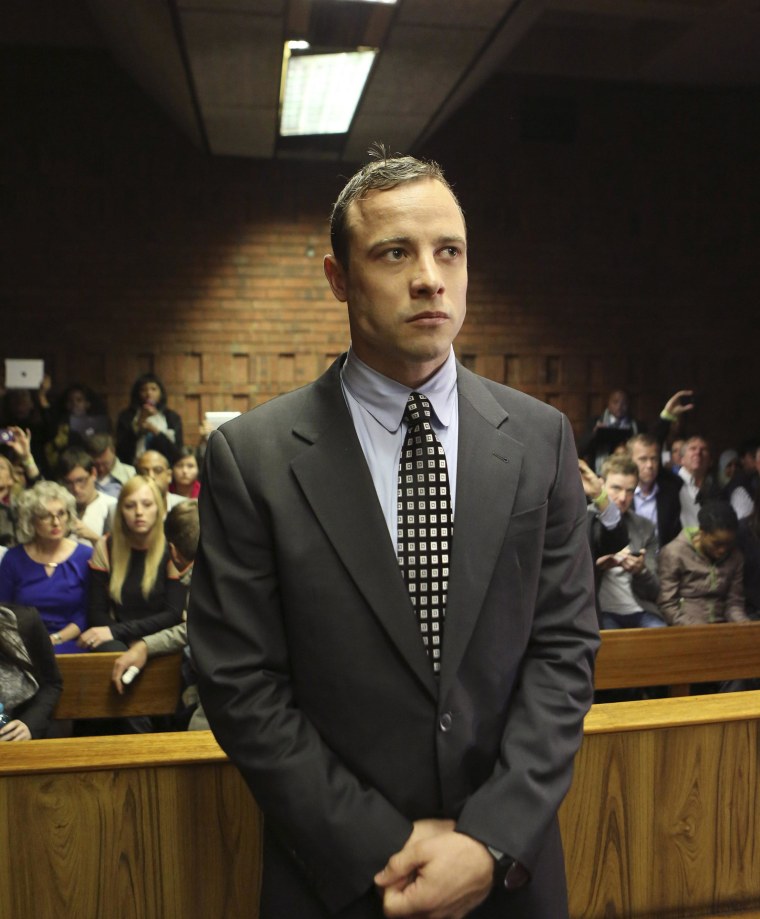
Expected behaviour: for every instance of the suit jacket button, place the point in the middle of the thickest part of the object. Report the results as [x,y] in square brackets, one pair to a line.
[445,722]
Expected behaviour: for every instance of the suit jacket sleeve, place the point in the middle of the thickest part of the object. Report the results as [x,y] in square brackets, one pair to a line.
[340,830]
[543,729]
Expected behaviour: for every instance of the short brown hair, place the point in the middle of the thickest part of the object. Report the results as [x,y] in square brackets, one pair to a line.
[643,440]
[382,173]
[619,465]
[182,529]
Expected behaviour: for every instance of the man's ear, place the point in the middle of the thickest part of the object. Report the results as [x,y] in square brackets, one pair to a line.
[336,278]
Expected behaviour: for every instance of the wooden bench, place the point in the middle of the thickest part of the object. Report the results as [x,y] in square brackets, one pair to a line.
[663,816]
[89,693]
[662,820]
[144,826]
[678,656]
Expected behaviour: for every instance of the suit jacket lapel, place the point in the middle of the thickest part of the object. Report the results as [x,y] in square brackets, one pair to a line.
[337,484]
[488,471]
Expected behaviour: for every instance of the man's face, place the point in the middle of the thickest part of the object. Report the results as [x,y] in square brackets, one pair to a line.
[695,456]
[717,545]
[406,282]
[155,466]
[620,489]
[617,404]
[81,484]
[648,461]
[104,462]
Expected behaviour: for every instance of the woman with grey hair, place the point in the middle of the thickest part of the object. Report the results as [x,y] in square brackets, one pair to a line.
[48,570]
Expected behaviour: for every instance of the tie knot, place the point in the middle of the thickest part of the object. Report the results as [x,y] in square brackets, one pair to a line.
[417,409]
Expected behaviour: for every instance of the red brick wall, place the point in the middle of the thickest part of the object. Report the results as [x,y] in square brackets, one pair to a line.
[617,249]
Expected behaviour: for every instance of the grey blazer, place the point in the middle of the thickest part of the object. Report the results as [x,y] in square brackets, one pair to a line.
[312,668]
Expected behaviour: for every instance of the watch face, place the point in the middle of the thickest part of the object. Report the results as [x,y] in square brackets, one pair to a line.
[516,876]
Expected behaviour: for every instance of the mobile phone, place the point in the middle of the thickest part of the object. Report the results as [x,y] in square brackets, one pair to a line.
[6,435]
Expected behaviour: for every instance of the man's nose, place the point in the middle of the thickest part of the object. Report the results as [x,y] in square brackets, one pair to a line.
[427,281]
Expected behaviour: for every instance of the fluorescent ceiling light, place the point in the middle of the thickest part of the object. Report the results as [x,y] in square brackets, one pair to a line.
[323,90]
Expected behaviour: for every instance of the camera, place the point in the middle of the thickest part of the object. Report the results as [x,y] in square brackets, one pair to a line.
[6,435]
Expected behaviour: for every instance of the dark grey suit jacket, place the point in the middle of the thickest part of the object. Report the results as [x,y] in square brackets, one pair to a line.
[313,671]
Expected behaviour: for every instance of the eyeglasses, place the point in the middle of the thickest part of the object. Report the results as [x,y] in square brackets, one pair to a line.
[79,480]
[52,515]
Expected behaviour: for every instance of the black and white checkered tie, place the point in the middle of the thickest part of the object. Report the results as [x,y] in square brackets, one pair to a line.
[425,523]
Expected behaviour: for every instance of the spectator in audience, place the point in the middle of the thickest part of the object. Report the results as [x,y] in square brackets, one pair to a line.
[728,468]
[110,471]
[627,585]
[182,530]
[748,541]
[185,472]
[701,571]
[20,408]
[147,423]
[607,532]
[698,485]
[77,402]
[732,484]
[30,682]
[94,510]
[656,497]
[154,465]
[674,463]
[748,451]
[48,570]
[9,489]
[614,426]
[17,447]
[135,586]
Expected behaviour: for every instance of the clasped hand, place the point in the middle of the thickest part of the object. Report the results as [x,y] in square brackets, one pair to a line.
[439,874]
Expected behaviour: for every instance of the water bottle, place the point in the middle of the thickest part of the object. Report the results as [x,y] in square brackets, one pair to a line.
[4,719]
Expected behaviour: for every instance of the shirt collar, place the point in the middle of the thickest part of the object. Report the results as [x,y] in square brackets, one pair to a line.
[640,494]
[385,399]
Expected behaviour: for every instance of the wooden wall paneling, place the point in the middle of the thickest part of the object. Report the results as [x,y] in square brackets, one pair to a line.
[491,366]
[176,842]
[663,817]
[553,369]
[511,370]
[286,371]
[90,371]
[241,370]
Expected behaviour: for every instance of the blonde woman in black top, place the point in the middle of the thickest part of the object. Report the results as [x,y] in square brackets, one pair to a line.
[135,588]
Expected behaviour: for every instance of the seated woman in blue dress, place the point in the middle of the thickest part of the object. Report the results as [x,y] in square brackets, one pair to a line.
[136,589]
[48,569]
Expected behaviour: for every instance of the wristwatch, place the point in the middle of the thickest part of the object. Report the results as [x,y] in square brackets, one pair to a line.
[507,871]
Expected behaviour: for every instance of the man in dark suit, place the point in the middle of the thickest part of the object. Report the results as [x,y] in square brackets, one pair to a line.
[398,775]
[656,497]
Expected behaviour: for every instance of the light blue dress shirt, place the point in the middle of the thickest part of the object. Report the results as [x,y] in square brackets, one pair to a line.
[377,404]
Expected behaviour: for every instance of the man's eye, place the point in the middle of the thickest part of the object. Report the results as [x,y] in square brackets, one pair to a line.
[395,255]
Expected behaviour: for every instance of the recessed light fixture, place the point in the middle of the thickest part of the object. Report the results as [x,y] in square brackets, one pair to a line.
[322,91]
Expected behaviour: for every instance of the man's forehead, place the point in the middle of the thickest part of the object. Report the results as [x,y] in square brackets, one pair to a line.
[153,459]
[389,205]
[621,479]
